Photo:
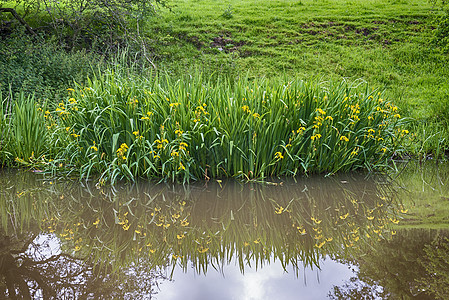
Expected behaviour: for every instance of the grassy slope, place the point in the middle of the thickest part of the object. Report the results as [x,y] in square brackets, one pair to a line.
[383,42]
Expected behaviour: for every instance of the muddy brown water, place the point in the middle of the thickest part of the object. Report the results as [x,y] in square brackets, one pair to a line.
[338,237]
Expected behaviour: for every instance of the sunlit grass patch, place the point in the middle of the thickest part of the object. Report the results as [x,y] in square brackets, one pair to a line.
[195,128]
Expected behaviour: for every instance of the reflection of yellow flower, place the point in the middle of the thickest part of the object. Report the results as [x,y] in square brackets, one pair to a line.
[301,230]
[315,220]
[395,221]
[320,244]
[344,216]
[279,210]
[202,249]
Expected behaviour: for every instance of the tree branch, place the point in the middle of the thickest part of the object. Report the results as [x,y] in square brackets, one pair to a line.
[19,18]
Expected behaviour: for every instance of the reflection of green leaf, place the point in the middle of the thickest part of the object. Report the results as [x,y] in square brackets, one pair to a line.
[116,220]
[216,223]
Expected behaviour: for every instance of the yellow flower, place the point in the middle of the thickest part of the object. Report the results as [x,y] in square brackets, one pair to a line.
[94,148]
[300,130]
[180,236]
[397,116]
[319,110]
[278,155]
[344,138]
[316,136]
[256,115]
[329,118]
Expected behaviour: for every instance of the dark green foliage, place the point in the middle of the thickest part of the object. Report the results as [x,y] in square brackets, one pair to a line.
[41,67]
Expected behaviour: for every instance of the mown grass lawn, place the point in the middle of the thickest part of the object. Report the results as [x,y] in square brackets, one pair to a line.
[384,42]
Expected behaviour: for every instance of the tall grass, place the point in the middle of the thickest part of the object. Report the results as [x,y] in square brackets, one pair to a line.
[192,128]
[24,136]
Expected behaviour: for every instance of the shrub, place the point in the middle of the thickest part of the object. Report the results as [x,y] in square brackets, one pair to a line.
[41,68]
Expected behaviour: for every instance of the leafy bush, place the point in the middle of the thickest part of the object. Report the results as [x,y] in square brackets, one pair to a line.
[41,68]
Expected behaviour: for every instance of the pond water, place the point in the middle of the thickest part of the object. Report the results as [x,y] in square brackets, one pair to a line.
[343,237]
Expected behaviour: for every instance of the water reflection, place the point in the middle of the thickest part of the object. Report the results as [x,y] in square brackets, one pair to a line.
[132,237]
[412,265]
